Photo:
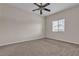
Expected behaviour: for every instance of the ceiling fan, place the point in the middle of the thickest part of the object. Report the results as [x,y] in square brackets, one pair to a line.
[42,7]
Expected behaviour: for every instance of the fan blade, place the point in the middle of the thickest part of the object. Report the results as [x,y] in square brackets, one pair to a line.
[37,4]
[47,9]
[41,12]
[46,4]
[36,9]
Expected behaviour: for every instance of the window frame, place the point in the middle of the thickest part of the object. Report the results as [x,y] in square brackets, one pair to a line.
[59,28]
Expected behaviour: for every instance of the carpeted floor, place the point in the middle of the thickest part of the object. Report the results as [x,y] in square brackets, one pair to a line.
[41,47]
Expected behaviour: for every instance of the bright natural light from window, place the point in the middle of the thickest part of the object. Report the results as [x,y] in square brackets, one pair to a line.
[58,26]
[55,26]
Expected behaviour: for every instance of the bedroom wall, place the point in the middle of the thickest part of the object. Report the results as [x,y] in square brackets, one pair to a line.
[17,25]
[71,33]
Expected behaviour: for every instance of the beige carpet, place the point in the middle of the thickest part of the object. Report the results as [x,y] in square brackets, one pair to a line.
[41,47]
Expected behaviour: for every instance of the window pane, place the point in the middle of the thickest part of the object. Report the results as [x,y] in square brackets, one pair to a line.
[55,26]
[61,25]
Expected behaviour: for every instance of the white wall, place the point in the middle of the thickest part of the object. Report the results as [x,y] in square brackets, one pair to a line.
[71,33]
[17,25]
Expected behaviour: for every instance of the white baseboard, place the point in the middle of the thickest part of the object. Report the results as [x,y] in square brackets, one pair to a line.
[29,39]
[71,42]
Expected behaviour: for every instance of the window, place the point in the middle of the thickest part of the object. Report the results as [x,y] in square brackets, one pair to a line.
[58,26]
[55,26]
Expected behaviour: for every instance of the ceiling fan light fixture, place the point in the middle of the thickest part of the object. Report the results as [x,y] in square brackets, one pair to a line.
[42,7]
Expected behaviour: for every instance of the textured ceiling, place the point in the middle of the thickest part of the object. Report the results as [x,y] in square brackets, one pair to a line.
[54,7]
